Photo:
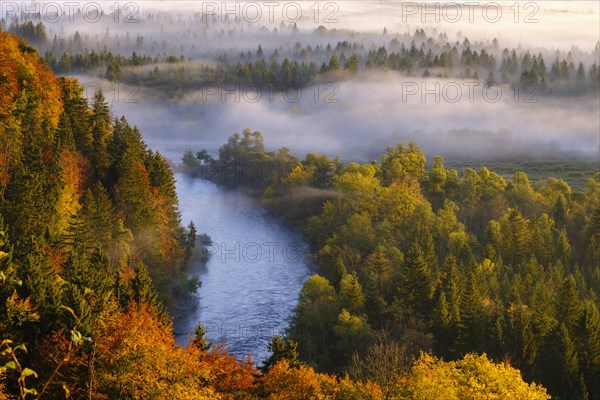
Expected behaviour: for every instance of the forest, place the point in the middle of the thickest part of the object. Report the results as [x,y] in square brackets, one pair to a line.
[416,258]
[453,249]
[93,253]
[135,61]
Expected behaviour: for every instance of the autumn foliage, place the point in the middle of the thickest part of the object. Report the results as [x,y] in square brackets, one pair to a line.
[91,250]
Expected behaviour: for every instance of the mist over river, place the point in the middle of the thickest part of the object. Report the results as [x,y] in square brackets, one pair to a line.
[255,269]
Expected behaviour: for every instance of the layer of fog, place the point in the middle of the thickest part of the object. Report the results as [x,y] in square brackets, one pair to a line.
[182,28]
[371,113]
[539,24]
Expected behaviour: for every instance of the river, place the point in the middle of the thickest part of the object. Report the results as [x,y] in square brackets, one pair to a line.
[255,269]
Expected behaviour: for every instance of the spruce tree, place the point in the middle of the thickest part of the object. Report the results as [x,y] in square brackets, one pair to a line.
[352,64]
[334,64]
[471,329]
[142,288]
[42,284]
[587,337]
[567,302]
[200,340]
[416,282]
[190,241]
[281,349]
[351,295]
[559,213]
[567,354]
[76,108]
[64,133]
[100,127]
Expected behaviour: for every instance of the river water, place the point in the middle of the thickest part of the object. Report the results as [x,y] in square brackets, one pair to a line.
[255,269]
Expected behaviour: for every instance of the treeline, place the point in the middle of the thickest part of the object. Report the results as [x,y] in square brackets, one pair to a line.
[441,262]
[91,242]
[417,55]
[105,62]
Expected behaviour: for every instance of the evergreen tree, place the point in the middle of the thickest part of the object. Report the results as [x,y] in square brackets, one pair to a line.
[350,294]
[64,133]
[281,349]
[88,284]
[559,212]
[569,363]
[567,302]
[442,324]
[516,237]
[334,64]
[76,108]
[42,285]
[100,127]
[142,288]
[471,329]
[200,340]
[352,64]
[588,347]
[190,242]
[416,281]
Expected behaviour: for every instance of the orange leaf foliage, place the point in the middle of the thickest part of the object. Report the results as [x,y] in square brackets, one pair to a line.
[22,70]
[230,377]
[137,357]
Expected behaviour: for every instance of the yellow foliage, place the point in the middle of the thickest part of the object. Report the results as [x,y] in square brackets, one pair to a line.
[472,378]
[284,383]
[68,202]
[303,383]
[299,176]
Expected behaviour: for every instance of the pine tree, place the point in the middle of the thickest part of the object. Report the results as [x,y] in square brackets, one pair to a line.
[416,282]
[190,241]
[8,277]
[281,349]
[100,127]
[451,286]
[442,324]
[559,212]
[161,176]
[563,247]
[352,64]
[580,77]
[522,338]
[142,288]
[350,294]
[133,193]
[64,133]
[125,146]
[471,329]
[334,64]
[587,338]
[570,363]
[42,285]
[76,108]
[567,302]
[89,281]
[33,191]
[200,340]
[97,226]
